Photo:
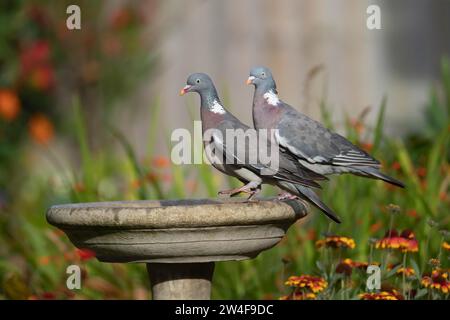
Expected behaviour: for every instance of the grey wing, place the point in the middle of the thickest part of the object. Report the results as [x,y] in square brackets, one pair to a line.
[247,156]
[309,140]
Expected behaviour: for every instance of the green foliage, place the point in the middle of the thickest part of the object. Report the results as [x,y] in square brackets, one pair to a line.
[33,255]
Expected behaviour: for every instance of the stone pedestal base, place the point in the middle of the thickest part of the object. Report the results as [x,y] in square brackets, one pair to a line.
[181,281]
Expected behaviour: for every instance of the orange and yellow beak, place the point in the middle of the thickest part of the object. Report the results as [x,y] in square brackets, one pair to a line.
[250,80]
[185,90]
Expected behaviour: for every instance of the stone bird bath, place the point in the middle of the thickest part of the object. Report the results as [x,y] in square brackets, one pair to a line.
[178,240]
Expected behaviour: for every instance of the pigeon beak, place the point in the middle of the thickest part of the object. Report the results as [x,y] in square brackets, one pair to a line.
[250,80]
[185,89]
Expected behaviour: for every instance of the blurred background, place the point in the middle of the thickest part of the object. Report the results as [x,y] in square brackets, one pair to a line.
[86,115]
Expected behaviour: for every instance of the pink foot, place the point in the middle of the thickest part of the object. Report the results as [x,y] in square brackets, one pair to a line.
[287,196]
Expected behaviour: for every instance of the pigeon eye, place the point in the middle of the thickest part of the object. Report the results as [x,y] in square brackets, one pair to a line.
[198,80]
[263,74]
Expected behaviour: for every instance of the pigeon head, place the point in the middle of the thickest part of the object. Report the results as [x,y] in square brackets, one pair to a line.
[200,83]
[261,78]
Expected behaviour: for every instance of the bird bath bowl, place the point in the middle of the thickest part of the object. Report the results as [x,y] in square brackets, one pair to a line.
[179,240]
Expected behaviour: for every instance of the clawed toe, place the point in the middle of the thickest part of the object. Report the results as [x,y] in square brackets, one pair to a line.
[287,196]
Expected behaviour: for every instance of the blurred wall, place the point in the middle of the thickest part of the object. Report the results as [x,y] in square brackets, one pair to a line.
[226,38]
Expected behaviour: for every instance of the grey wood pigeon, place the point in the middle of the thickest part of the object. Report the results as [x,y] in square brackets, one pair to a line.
[313,145]
[289,176]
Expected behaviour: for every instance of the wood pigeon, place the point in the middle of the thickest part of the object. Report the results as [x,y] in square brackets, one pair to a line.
[216,120]
[314,146]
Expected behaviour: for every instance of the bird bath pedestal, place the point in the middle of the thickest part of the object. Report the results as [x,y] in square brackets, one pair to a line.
[178,240]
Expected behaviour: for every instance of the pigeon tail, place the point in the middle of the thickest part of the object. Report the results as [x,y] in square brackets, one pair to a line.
[310,196]
[375,174]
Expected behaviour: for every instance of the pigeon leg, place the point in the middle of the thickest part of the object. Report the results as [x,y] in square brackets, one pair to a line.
[248,188]
[287,196]
[254,193]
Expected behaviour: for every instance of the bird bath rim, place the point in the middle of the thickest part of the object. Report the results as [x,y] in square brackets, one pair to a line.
[176,231]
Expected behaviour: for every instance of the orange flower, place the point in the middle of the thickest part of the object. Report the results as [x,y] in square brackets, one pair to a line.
[161,162]
[406,271]
[446,246]
[41,129]
[136,184]
[79,187]
[422,172]
[367,146]
[347,265]
[336,242]
[121,18]
[311,235]
[44,260]
[438,280]
[400,271]
[300,296]
[406,241]
[412,213]
[396,165]
[315,284]
[383,295]
[375,227]
[9,104]
[42,77]
[357,125]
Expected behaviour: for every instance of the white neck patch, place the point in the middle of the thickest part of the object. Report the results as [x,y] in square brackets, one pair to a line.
[272,98]
[216,107]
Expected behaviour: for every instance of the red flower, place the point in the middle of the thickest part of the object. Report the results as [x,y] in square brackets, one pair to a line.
[347,265]
[396,165]
[375,227]
[336,242]
[412,213]
[48,296]
[406,241]
[383,295]
[315,284]
[367,146]
[36,54]
[161,162]
[421,172]
[122,18]
[438,280]
[36,65]
[300,296]
[85,254]
[400,271]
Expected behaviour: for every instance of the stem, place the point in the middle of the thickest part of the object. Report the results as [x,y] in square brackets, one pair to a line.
[404,274]
[391,224]
[386,258]
[370,254]
[440,249]
[426,247]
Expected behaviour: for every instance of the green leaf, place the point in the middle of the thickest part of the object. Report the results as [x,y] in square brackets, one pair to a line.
[87,167]
[378,135]
[420,293]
